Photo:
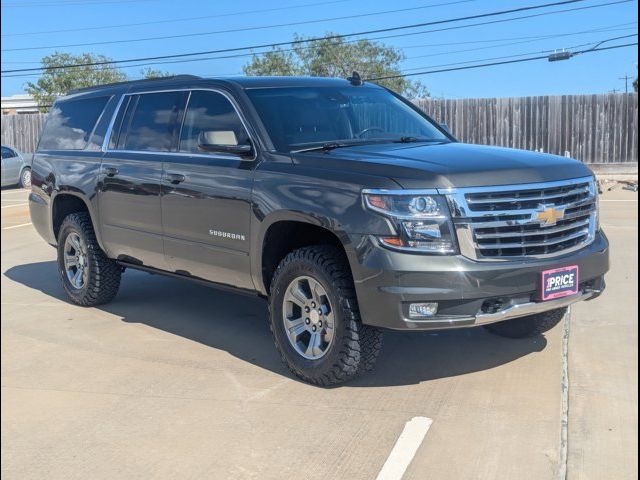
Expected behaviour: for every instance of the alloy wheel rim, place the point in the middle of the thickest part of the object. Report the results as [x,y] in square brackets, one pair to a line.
[308,318]
[75,261]
[26,178]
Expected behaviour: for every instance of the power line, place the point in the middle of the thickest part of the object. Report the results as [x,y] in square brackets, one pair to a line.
[188,19]
[491,64]
[108,64]
[607,28]
[74,2]
[528,39]
[626,79]
[506,62]
[244,29]
[293,42]
[409,58]
[600,29]
[511,56]
[597,42]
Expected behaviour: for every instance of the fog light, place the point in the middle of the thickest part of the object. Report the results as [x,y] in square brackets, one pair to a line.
[421,310]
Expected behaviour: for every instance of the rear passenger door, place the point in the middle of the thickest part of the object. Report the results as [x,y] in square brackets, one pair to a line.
[206,197]
[145,131]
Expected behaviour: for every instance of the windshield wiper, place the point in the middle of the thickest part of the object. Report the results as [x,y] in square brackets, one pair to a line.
[419,139]
[325,147]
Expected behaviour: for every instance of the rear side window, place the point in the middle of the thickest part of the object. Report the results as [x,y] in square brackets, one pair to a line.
[150,123]
[8,153]
[70,123]
[211,112]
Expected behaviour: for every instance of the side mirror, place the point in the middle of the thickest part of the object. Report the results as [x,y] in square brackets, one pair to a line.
[222,141]
[446,128]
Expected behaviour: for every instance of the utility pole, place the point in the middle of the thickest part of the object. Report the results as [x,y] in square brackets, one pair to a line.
[626,79]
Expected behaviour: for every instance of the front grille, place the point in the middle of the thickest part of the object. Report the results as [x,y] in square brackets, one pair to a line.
[531,220]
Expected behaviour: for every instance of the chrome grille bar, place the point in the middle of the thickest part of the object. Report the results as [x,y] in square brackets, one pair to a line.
[540,232]
[510,222]
[525,198]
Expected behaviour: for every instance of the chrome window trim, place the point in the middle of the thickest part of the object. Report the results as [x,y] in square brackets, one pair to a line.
[107,135]
[232,101]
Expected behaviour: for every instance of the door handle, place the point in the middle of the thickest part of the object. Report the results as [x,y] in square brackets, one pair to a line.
[175,178]
[111,171]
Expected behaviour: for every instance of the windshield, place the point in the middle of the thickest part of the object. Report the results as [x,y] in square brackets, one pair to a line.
[301,117]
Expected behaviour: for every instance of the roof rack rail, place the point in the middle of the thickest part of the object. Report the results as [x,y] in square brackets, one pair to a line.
[134,82]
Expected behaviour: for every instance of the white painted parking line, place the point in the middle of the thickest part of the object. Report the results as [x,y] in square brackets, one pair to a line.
[13,192]
[405,448]
[16,226]
[619,200]
[16,205]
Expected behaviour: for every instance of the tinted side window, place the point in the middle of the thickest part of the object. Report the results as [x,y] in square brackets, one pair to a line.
[153,125]
[211,112]
[8,153]
[70,123]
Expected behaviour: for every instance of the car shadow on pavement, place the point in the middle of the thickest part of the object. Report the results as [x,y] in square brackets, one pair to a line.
[237,324]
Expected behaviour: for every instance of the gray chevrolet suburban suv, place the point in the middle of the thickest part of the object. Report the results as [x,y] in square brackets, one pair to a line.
[339,201]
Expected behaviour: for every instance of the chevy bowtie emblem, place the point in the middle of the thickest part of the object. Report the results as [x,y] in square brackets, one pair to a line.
[548,216]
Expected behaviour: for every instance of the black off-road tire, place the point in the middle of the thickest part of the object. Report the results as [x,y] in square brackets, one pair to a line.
[355,346]
[103,278]
[529,326]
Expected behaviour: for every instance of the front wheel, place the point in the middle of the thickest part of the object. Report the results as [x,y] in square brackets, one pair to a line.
[315,320]
[25,178]
[528,326]
[88,276]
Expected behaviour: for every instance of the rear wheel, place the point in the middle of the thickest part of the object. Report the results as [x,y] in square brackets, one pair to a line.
[25,178]
[88,276]
[315,320]
[528,326]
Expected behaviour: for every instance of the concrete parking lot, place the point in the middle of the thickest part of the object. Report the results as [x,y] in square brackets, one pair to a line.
[175,380]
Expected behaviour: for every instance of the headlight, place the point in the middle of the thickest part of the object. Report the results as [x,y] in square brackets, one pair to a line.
[422,222]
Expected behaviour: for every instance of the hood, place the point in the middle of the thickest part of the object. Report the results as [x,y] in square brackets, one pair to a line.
[448,165]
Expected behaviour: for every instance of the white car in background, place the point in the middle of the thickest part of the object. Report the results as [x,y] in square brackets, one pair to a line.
[15,169]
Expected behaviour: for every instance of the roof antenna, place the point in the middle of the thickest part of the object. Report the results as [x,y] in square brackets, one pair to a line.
[355,79]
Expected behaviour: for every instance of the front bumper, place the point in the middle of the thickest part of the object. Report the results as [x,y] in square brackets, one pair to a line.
[469,293]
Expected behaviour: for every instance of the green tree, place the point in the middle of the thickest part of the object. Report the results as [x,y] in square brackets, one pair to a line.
[59,81]
[335,57]
[153,73]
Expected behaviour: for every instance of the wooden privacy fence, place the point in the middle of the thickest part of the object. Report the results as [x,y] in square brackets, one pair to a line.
[591,128]
[22,131]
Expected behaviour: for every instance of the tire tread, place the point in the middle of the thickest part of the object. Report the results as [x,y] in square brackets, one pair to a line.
[105,274]
[360,344]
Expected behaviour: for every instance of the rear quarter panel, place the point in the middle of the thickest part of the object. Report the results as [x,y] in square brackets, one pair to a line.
[64,172]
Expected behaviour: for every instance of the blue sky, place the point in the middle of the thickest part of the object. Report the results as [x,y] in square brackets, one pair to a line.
[592,73]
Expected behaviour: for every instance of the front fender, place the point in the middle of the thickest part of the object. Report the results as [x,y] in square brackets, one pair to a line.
[330,199]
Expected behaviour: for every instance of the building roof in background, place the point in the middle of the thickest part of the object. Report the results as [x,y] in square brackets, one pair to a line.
[21,103]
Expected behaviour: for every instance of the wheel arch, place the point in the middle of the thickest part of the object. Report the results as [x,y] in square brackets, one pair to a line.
[67,202]
[285,231]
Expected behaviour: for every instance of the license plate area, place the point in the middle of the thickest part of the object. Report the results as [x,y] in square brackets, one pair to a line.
[560,282]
